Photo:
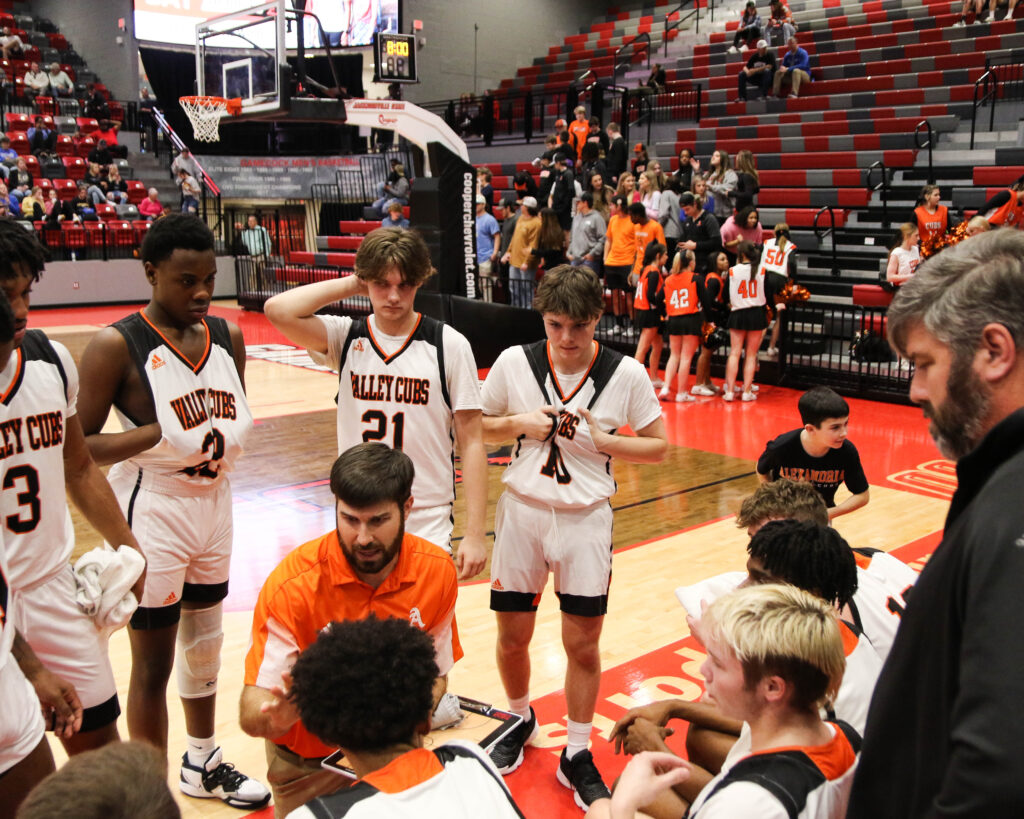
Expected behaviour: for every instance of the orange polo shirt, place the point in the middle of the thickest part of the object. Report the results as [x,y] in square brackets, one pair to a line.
[315,585]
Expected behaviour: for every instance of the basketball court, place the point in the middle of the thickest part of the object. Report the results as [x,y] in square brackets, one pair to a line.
[673,526]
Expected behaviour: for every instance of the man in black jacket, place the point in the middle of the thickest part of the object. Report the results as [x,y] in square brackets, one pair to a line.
[945,725]
[562,193]
[616,156]
[701,232]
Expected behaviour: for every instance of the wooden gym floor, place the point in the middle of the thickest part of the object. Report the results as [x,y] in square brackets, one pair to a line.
[673,526]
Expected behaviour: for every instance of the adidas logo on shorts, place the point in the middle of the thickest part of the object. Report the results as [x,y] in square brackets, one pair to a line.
[496,585]
[170,599]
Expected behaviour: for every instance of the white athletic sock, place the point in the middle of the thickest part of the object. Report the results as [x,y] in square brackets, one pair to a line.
[578,737]
[520,706]
[199,750]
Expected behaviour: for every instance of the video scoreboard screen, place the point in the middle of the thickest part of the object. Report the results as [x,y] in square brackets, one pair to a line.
[394,58]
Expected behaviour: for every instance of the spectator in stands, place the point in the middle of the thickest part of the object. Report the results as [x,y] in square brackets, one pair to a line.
[19,180]
[35,82]
[579,130]
[115,187]
[979,12]
[650,194]
[701,231]
[488,247]
[525,185]
[645,231]
[759,70]
[640,159]
[79,209]
[747,181]
[147,104]
[627,188]
[655,165]
[52,204]
[591,162]
[13,205]
[705,201]
[108,132]
[546,176]
[721,180]
[8,155]
[932,218]
[190,192]
[1005,209]
[597,134]
[563,192]
[565,146]
[586,242]
[94,180]
[485,189]
[618,259]
[796,66]
[41,140]
[33,206]
[601,194]
[395,218]
[60,82]
[668,216]
[522,263]
[257,240]
[561,127]
[904,257]
[976,225]
[549,251]
[508,227]
[749,29]
[100,154]
[744,226]
[657,79]
[689,166]
[616,155]
[95,103]
[150,207]
[780,23]
[185,161]
[10,44]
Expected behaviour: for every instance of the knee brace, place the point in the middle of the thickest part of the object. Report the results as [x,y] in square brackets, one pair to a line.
[200,637]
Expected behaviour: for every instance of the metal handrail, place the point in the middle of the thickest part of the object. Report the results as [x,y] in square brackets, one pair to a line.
[988,81]
[925,124]
[672,26]
[643,37]
[821,234]
[882,186]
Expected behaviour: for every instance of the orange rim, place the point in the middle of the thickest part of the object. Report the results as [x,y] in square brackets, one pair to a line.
[232,106]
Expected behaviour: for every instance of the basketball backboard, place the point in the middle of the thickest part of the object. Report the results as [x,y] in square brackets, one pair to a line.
[242,54]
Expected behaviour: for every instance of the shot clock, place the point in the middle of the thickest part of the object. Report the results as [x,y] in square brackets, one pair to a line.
[394,58]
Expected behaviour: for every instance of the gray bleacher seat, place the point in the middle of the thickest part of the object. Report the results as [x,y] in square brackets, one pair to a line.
[126,170]
[39,39]
[25,21]
[48,54]
[65,125]
[127,212]
[68,107]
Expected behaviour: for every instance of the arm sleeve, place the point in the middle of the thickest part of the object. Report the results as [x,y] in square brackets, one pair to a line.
[337,331]
[855,480]
[766,463]
[712,237]
[463,381]
[792,266]
[803,60]
[995,202]
[652,291]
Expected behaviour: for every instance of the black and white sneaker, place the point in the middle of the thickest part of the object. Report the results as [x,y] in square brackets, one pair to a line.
[219,780]
[582,777]
[507,755]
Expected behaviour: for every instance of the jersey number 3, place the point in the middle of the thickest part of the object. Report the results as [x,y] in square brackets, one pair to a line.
[22,524]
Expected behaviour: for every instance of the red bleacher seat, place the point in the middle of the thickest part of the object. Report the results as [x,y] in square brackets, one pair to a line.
[95,233]
[998,175]
[74,166]
[106,211]
[74,235]
[43,182]
[66,188]
[17,122]
[32,163]
[343,242]
[20,142]
[121,234]
[57,41]
[65,145]
[140,226]
[871,295]
[84,146]
[136,191]
[347,260]
[357,226]
[87,124]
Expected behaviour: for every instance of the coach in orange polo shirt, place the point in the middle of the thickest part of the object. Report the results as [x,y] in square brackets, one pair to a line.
[368,564]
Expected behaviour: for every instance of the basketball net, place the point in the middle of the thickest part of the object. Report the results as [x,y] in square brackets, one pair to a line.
[205,114]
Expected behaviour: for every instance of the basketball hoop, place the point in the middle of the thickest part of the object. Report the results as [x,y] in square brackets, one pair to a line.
[205,114]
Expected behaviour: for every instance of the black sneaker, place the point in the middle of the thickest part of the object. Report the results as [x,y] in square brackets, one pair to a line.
[581,775]
[507,755]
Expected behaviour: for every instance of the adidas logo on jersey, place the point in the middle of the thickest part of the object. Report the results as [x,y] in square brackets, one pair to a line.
[358,346]
[496,585]
[415,619]
[170,599]
[157,362]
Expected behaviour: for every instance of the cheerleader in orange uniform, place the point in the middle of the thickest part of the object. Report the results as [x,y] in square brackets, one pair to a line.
[685,320]
[647,306]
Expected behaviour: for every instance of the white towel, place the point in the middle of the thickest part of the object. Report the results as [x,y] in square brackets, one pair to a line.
[710,590]
[104,577]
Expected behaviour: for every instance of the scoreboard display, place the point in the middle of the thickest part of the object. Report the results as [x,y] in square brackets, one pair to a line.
[395,58]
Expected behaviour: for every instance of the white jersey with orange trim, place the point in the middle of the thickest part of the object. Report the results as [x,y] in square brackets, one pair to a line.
[566,471]
[775,260]
[456,780]
[404,392]
[201,407]
[38,394]
[882,585]
[745,292]
[6,627]
[863,665]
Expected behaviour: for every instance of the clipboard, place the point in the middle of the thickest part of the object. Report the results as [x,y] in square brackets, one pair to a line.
[482,723]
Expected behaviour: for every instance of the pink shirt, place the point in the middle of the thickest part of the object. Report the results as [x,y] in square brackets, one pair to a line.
[147,207]
[730,231]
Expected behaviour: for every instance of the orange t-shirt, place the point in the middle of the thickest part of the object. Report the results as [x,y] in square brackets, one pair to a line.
[621,235]
[315,585]
[579,131]
[646,233]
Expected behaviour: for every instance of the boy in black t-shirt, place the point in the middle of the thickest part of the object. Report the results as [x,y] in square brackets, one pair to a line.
[819,453]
